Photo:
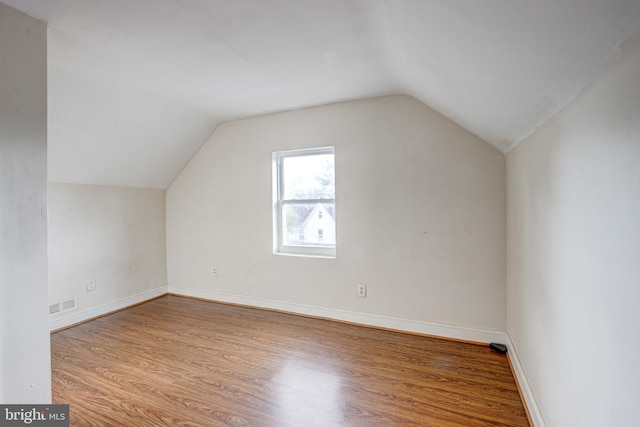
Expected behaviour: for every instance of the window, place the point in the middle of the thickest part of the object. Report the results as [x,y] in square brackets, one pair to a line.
[304,202]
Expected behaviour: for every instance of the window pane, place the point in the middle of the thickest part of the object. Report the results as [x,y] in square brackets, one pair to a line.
[304,227]
[309,177]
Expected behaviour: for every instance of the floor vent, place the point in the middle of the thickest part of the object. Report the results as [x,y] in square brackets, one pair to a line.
[59,307]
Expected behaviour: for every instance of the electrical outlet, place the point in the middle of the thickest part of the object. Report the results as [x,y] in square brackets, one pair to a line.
[362,290]
[91,285]
[214,271]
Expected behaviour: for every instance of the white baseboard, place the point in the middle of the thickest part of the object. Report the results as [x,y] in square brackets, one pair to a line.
[386,322]
[525,387]
[82,316]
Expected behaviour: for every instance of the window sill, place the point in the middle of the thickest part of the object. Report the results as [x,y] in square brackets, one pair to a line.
[291,254]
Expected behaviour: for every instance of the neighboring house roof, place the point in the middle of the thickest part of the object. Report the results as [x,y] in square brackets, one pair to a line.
[307,211]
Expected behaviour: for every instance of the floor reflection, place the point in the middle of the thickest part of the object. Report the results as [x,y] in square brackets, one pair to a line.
[308,394]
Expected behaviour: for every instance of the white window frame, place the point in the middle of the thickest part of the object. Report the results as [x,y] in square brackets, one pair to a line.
[279,248]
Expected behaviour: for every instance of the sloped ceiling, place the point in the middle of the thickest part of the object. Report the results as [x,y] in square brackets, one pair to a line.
[136,86]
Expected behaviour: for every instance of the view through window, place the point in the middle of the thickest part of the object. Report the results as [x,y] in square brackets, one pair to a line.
[305,207]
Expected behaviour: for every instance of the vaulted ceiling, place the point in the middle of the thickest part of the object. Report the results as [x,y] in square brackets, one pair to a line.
[136,86]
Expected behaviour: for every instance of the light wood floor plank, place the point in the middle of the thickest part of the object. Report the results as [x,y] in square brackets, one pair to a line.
[182,362]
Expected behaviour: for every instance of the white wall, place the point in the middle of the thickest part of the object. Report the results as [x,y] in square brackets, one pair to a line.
[420,216]
[25,367]
[113,235]
[574,255]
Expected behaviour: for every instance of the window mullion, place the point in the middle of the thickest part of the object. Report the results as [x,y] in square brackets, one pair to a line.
[307,201]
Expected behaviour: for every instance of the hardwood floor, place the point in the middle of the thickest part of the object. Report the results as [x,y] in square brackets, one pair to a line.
[182,362]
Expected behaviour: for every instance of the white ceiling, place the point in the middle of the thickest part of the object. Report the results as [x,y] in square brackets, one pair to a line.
[136,86]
